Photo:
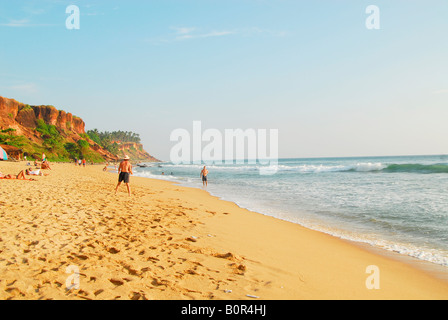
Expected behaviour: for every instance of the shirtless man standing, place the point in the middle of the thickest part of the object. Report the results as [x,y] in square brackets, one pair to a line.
[204,174]
[125,170]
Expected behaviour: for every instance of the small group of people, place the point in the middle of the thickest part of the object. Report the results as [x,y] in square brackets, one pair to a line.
[37,171]
[80,162]
[45,165]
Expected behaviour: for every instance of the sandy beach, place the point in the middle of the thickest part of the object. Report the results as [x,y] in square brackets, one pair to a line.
[169,242]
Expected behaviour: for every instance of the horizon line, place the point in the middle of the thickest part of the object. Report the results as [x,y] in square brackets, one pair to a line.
[321,157]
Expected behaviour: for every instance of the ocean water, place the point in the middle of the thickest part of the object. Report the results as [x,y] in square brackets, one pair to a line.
[395,203]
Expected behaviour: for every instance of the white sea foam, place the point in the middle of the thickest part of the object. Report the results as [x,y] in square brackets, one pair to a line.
[435,256]
[401,212]
[427,254]
[167,177]
[305,168]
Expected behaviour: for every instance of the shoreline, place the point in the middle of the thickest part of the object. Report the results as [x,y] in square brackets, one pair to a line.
[170,242]
[435,269]
[402,261]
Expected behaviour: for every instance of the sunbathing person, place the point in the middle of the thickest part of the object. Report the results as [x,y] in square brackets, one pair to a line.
[37,172]
[20,176]
[6,176]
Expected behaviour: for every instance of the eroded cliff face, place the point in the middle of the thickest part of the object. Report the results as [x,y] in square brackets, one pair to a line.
[23,118]
[14,114]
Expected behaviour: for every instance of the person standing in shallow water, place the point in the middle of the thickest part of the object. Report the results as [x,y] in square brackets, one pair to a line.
[124,170]
[204,174]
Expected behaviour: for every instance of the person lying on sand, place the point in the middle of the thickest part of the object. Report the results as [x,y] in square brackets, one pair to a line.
[20,176]
[28,172]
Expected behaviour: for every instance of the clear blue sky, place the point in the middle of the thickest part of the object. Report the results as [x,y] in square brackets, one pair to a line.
[308,68]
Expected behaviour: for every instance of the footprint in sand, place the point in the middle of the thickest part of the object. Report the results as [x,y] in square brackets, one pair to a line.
[117,282]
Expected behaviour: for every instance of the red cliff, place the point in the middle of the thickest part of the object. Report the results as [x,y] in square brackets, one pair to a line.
[14,114]
[24,119]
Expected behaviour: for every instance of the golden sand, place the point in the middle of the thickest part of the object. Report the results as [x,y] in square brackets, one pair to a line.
[170,242]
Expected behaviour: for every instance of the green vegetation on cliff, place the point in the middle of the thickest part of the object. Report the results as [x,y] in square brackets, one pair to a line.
[110,140]
[115,136]
[54,145]
[7,137]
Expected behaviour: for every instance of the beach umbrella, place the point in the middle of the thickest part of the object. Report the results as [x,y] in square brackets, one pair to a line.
[3,154]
